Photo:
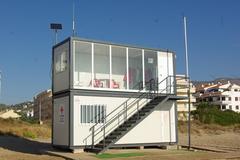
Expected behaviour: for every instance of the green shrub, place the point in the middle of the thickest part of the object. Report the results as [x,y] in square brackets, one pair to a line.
[29,134]
[28,119]
[208,113]
[118,155]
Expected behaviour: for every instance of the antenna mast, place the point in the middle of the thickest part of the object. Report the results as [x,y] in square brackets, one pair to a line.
[73,20]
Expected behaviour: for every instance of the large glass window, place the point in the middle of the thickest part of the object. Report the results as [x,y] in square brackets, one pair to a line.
[118,68]
[93,66]
[150,66]
[83,64]
[135,75]
[61,61]
[101,66]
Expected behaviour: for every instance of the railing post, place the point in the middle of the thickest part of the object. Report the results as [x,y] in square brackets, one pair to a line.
[170,84]
[126,111]
[154,89]
[175,85]
[104,135]
[138,108]
[151,88]
[118,118]
[166,85]
[93,136]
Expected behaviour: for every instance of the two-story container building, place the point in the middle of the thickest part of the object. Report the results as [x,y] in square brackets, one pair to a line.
[108,95]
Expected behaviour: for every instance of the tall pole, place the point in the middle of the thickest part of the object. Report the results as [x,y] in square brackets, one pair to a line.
[186,44]
[0,85]
[56,36]
[40,109]
[73,20]
[188,80]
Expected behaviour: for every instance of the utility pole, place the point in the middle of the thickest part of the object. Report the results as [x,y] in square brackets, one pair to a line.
[40,110]
[188,80]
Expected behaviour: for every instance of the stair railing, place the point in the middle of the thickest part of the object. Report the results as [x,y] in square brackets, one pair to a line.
[119,115]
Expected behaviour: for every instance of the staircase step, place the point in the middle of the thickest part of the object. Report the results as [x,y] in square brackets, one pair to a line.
[154,103]
[129,122]
[151,105]
[120,129]
[135,117]
[107,142]
[146,109]
[132,121]
[115,133]
[94,150]
[125,126]
[142,114]
[99,146]
[112,136]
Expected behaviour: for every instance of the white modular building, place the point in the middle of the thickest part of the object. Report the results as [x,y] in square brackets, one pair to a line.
[108,95]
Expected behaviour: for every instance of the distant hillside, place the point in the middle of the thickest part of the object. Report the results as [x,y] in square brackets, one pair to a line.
[3,107]
[222,80]
[225,80]
[22,106]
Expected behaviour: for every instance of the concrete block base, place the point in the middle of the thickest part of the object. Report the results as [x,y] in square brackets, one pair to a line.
[80,150]
[169,147]
[141,147]
[179,147]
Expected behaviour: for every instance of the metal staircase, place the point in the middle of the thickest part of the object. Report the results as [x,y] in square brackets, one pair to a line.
[130,113]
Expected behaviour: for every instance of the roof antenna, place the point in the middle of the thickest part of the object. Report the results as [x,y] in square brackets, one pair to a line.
[73,20]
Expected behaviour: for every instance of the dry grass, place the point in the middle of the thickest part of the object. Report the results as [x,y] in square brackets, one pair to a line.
[20,128]
[199,128]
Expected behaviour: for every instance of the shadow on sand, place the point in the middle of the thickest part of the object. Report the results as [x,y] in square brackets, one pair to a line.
[28,146]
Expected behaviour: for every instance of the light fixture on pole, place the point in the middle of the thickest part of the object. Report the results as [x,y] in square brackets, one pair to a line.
[188,80]
[56,27]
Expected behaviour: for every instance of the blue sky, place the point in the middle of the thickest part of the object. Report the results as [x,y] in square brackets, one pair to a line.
[26,40]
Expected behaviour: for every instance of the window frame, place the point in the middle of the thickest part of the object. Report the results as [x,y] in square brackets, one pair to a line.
[110,46]
[92,113]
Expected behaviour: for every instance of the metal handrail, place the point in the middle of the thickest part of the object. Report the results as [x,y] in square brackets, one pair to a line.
[96,116]
[139,91]
[95,132]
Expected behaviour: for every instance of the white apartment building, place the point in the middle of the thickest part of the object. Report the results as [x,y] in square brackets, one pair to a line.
[226,96]
[182,91]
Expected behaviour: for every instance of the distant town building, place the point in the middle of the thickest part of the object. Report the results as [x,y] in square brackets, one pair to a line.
[225,96]
[43,105]
[182,90]
[30,113]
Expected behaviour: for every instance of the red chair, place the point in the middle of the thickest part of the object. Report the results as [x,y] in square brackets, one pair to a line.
[114,84]
[96,83]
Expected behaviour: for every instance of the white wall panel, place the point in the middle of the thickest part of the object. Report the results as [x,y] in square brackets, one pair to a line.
[61,121]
